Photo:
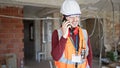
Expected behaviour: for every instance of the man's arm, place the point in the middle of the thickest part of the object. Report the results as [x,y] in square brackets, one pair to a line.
[58,46]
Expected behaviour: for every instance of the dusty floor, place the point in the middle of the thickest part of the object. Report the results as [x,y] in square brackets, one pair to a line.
[46,64]
[34,64]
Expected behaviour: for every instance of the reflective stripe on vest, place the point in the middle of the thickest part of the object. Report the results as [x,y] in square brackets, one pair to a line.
[64,60]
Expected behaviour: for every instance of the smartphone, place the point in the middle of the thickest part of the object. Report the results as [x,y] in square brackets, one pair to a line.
[71,29]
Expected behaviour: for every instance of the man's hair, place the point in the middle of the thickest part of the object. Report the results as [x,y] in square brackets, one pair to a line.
[64,18]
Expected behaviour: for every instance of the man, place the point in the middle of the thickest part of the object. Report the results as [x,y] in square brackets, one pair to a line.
[70,44]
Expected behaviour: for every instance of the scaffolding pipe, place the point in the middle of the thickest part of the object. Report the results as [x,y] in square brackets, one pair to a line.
[28,18]
[101,46]
[93,28]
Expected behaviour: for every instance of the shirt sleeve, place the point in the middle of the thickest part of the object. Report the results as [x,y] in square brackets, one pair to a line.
[58,46]
[90,56]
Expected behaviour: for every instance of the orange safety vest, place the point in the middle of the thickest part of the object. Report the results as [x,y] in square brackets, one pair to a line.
[66,60]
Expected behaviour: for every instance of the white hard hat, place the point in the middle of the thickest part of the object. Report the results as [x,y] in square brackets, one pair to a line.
[70,7]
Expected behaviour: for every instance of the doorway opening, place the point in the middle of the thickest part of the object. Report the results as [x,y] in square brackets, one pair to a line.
[29,42]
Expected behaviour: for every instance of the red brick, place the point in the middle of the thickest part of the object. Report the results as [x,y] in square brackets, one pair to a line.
[20,35]
[0,24]
[5,41]
[4,30]
[6,35]
[12,51]
[19,46]
[2,58]
[11,34]
[16,31]
[8,11]
[11,30]
[10,46]
[0,41]
[14,21]
[20,12]
[8,26]
[3,51]
[21,54]
[14,11]
[3,11]
[5,20]
[19,26]
[15,40]
[2,46]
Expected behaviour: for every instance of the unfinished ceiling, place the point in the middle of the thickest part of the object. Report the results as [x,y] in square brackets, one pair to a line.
[42,7]
[38,11]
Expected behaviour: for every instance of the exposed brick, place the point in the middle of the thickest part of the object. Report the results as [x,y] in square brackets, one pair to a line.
[3,51]
[4,30]
[4,41]
[14,10]
[6,35]
[11,30]
[0,41]
[21,48]
[21,54]
[20,35]
[20,45]
[3,11]
[5,20]
[2,58]
[16,31]
[14,21]
[10,46]
[2,46]
[20,12]
[10,51]
[19,26]
[11,34]
[8,10]
[0,24]
[15,40]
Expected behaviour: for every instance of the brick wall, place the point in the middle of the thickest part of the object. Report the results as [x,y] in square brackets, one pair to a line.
[11,33]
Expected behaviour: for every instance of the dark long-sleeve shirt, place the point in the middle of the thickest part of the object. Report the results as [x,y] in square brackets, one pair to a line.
[58,47]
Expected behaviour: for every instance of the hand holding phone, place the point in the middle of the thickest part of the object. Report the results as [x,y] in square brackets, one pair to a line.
[65,28]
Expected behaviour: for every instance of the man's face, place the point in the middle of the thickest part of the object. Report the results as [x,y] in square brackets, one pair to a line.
[74,20]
